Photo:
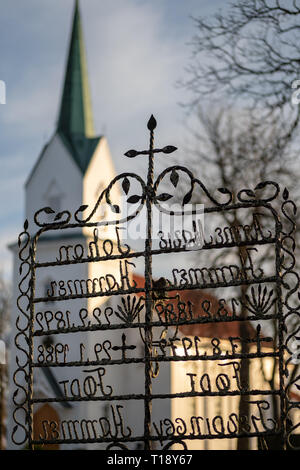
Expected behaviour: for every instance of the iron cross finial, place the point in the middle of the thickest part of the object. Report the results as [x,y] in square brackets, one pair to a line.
[152,123]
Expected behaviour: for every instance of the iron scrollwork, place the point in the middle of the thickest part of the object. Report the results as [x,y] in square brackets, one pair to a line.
[159,311]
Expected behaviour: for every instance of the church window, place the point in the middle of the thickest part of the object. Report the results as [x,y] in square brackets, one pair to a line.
[53,197]
[55,203]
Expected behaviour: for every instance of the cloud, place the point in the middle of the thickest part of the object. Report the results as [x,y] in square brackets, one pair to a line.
[138,61]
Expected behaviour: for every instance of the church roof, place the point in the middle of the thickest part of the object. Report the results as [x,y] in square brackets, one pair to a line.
[75,116]
[75,123]
[81,148]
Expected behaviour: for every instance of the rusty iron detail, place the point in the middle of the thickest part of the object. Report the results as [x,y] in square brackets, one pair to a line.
[158,311]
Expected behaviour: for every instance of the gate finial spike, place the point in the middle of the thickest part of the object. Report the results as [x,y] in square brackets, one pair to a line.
[152,123]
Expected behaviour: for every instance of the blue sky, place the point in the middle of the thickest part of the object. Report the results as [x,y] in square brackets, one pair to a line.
[137,50]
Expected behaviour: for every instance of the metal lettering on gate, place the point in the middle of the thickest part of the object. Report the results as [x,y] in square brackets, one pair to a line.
[161,314]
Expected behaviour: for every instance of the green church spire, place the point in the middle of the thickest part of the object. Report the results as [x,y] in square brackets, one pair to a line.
[75,123]
[75,117]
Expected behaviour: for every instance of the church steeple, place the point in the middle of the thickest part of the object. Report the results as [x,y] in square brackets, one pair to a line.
[75,123]
[75,116]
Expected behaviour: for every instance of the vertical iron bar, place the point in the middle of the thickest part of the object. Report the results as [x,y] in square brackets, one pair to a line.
[30,345]
[148,293]
[280,335]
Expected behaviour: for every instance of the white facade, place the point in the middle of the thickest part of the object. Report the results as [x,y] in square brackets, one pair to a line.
[55,175]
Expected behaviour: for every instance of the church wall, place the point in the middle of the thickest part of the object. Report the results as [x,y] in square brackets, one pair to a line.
[98,176]
[210,408]
[56,176]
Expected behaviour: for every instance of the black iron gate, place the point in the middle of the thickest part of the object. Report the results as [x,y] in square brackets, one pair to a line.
[160,309]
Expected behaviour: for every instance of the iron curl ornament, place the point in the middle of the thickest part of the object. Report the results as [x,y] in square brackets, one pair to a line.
[21,413]
[158,310]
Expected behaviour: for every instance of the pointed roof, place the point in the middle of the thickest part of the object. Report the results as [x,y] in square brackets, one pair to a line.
[75,122]
[75,115]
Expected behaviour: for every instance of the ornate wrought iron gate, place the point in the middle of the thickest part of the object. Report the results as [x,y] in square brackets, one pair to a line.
[159,310]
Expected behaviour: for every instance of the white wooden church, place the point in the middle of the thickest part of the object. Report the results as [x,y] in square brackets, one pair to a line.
[71,171]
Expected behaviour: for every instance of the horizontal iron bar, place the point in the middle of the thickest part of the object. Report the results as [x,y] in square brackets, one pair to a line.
[158,438]
[139,254]
[135,360]
[212,285]
[123,326]
[159,396]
